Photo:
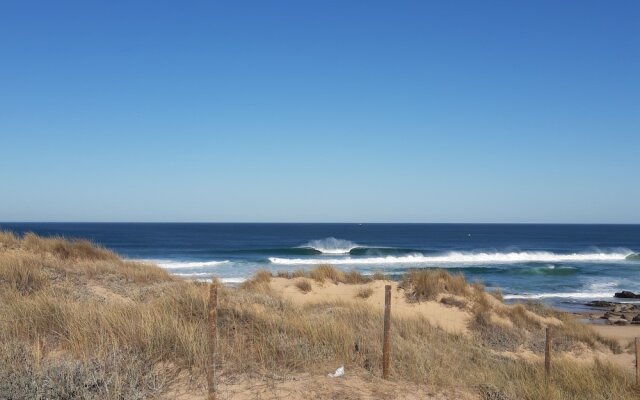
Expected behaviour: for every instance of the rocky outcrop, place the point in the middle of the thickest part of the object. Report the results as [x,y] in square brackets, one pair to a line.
[625,294]
[600,304]
[617,313]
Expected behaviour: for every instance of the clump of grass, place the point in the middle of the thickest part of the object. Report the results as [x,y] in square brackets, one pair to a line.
[490,334]
[303,284]
[260,280]
[298,274]
[364,292]
[427,284]
[8,239]
[283,274]
[325,271]
[79,258]
[355,278]
[521,317]
[66,249]
[22,274]
[34,260]
[453,301]
[379,276]
[539,308]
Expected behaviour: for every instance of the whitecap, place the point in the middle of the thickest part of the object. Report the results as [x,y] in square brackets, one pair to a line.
[331,245]
[568,295]
[460,257]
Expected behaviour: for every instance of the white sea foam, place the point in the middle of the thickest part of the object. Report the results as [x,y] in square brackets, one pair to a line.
[189,274]
[232,280]
[174,264]
[568,295]
[223,280]
[603,285]
[331,245]
[459,257]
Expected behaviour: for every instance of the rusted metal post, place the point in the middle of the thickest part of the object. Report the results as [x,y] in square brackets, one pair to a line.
[637,361]
[547,354]
[212,307]
[386,345]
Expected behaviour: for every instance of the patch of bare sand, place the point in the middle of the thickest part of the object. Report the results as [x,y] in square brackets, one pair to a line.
[107,294]
[620,332]
[625,336]
[450,319]
[356,384]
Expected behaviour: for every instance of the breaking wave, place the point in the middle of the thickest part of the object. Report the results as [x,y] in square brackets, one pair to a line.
[331,245]
[461,258]
[569,295]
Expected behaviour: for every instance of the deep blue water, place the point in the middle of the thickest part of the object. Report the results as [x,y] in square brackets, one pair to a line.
[558,263]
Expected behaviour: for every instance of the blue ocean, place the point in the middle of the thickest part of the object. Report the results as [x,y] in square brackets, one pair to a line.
[562,264]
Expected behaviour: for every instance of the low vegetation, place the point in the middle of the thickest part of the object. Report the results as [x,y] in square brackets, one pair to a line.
[259,281]
[303,284]
[364,293]
[423,285]
[326,272]
[499,326]
[76,321]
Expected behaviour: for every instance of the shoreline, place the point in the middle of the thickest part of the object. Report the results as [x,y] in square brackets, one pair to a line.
[613,319]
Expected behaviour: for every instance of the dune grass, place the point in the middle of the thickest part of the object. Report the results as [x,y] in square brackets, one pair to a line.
[259,281]
[364,293]
[104,328]
[303,284]
[281,336]
[320,274]
[427,284]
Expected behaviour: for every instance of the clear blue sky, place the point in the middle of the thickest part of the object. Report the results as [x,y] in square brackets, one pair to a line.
[397,111]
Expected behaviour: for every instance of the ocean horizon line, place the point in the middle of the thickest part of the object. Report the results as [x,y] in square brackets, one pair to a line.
[326,223]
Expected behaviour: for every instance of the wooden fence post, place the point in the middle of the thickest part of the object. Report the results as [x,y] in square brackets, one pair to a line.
[637,361]
[547,355]
[387,326]
[211,359]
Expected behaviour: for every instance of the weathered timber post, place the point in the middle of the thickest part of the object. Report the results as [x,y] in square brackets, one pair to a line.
[386,345]
[637,361]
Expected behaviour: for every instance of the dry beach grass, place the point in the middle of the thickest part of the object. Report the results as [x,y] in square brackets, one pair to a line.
[76,321]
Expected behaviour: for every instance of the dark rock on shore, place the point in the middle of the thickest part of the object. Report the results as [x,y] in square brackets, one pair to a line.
[600,304]
[616,313]
[625,294]
[612,314]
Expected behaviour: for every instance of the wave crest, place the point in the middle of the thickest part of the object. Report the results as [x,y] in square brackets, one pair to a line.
[570,295]
[331,245]
[460,258]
